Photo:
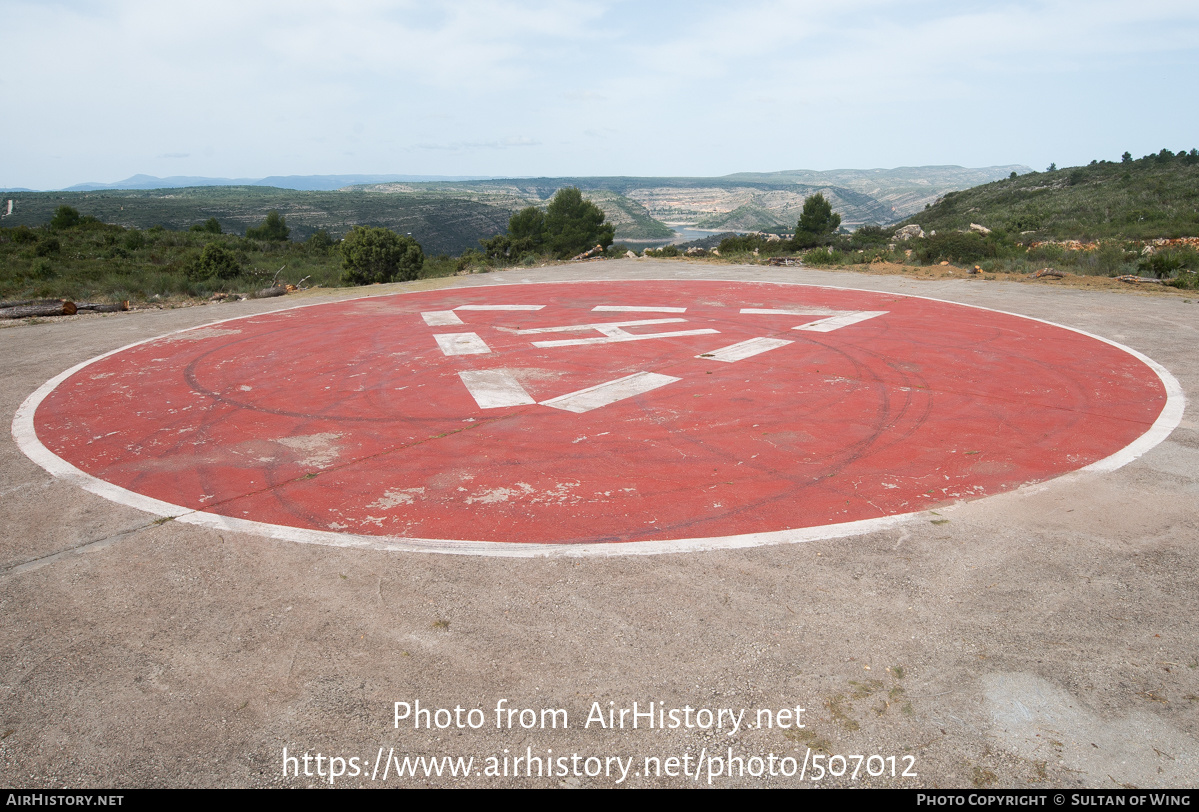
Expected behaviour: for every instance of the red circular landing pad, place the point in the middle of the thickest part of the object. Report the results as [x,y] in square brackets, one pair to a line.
[595,412]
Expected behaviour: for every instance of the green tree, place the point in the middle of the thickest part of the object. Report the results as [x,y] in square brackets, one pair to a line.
[320,242]
[209,226]
[1126,158]
[574,224]
[272,229]
[528,224]
[526,236]
[379,255]
[64,217]
[817,222]
[216,261]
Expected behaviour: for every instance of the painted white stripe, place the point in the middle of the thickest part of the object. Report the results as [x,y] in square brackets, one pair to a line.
[461,344]
[604,394]
[745,349]
[634,309]
[499,307]
[440,318]
[837,322]
[798,311]
[495,388]
[576,328]
[25,435]
[617,336]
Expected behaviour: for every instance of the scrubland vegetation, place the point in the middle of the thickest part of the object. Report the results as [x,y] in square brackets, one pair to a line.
[1107,219]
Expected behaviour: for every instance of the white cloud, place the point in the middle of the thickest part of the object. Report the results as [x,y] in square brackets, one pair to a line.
[249,89]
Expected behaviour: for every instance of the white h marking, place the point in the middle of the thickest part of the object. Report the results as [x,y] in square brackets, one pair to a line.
[461,344]
[611,330]
[603,394]
[745,349]
[440,318]
[495,388]
[837,322]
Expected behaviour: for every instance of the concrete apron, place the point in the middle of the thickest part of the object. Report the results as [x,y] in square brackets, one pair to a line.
[459,420]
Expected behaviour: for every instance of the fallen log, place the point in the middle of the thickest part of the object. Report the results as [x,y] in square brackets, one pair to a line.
[54,308]
[96,307]
[28,302]
[267,293]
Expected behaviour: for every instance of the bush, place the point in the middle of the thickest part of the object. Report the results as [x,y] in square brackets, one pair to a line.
[134,240]
[320,242]
[272,229]
[823,256]
[372,255]
[955,246]
[41,269]
[47,246]
[215,261]
[23,234]
[209,226]
[1170,261]
[869,236]
[743,244]
[671,250]
[1186,280]
[64,217]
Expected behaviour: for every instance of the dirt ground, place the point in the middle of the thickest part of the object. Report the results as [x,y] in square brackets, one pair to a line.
[1038,639]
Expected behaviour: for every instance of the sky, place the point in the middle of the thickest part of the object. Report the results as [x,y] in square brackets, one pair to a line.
[99,91]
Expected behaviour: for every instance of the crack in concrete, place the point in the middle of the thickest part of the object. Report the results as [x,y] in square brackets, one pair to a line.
[78,549]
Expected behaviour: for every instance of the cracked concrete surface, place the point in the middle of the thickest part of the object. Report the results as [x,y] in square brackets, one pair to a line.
[1037,639]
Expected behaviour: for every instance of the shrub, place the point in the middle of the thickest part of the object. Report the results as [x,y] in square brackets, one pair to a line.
[665,251]
[47,246]
[215,261]
[1186,280]
[869,236]
[319,242]
[134,240]
[372,255]
[209,226]
[955,246]
[64,217]
[1168,262]
[823,256]
[23,234]
[272,229]
[741,244]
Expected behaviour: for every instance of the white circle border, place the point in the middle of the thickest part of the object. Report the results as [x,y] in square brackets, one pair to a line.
[26,438]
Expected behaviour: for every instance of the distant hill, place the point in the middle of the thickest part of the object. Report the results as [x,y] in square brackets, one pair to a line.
[441,223]
[905,190]
[763,201]
[452,214]
[303,183]
[1154,196]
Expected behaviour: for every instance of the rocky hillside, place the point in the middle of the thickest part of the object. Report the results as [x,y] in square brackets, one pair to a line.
[1152,197]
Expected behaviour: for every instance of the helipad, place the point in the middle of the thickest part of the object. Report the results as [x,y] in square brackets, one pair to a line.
[584,417]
